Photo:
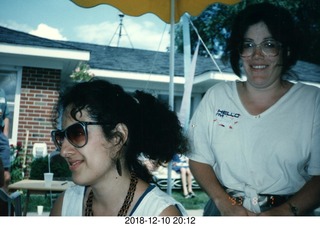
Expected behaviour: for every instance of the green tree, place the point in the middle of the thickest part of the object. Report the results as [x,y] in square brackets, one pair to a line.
[214,25]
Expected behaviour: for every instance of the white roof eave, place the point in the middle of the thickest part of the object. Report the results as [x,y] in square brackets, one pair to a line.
[38,51]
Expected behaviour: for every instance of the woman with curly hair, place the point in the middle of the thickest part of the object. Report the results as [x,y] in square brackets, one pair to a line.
[104,131]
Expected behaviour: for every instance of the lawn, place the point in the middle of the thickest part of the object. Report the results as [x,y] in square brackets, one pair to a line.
[197,202]
[38,200]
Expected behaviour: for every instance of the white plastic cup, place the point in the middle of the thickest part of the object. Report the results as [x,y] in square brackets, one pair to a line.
[48,177]
[40,210]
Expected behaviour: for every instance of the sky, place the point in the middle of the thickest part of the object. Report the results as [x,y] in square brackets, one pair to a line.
[64,20]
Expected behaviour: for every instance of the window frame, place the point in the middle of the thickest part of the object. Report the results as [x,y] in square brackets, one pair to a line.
[14,106]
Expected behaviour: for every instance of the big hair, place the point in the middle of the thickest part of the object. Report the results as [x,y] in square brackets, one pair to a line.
[154,131]
[280,24]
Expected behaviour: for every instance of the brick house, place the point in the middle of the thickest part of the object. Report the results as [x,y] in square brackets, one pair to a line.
[30,73]
[33,70]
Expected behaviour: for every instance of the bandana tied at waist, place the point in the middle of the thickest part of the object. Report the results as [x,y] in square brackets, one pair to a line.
[255,202]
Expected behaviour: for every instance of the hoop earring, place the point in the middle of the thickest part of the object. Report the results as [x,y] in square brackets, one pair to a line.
[118,165]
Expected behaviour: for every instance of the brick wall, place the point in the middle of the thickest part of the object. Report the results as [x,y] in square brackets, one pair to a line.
[39,92]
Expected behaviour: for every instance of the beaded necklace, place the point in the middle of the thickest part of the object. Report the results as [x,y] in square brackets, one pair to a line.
[126,204]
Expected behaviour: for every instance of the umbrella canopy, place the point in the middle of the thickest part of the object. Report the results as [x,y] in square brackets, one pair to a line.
[161,8]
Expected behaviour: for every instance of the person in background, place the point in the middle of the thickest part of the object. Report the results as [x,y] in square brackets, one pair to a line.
[255,143]
[180,164]
[150,164]
[104,133]
[4,139]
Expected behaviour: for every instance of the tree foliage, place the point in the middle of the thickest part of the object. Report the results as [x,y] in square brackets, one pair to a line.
[214,24]
[59,167]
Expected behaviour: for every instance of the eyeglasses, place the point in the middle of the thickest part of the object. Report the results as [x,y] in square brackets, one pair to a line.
[269,48]
[76,134]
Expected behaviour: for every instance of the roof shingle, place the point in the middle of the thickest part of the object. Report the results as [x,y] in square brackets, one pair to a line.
[137,60]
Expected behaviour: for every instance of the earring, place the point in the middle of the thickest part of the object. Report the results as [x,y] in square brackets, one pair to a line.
[118,165]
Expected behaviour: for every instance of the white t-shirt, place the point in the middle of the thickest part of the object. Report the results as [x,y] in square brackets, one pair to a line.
[275,152]
[151,203]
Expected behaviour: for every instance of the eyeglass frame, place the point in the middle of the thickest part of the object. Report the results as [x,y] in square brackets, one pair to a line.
[260,45]
[84,125]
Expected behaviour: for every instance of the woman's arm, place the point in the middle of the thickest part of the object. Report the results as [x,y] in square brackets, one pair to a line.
[304,201]
[6,128]
[57,207]
[205,176]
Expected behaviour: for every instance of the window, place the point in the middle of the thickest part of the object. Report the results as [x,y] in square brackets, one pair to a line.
[10,82]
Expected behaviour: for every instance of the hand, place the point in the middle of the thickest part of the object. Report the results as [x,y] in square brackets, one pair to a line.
[282,210]
[7,179]
[236,210]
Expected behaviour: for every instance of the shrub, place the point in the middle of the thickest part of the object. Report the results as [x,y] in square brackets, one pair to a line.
[58,166]
[19,158]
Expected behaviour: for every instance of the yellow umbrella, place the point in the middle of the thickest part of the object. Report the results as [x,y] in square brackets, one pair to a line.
[161,8]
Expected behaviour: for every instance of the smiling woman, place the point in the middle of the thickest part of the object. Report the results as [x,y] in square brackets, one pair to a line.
[104,132]
[263,157]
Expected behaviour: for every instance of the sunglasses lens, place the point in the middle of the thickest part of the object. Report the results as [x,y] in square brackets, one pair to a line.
[76,135]
[57,137]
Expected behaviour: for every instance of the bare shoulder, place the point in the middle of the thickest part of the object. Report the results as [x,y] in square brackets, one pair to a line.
[171,211]
[57,207]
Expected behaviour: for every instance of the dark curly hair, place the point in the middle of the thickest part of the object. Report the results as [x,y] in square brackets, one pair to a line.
[154,130]
[281,25]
